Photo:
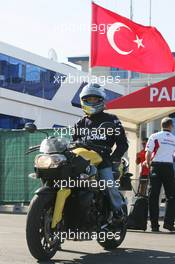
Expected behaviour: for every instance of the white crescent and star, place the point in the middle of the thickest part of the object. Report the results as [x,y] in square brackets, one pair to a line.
[110,35]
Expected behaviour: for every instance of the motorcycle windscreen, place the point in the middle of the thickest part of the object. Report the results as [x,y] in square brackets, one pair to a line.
[91,155]
[53,145]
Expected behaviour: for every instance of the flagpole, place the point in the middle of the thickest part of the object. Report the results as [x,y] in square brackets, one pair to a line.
[150,22]
[150,12]
[131,10]
[129,72]
[149,126]
[90,68]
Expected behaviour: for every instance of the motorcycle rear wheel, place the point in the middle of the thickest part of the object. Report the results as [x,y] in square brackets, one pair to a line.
[110,244]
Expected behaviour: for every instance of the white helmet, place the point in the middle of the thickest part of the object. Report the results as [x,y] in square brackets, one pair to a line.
[96,91]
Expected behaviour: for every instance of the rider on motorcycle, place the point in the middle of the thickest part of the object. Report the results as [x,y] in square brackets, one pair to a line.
[92,98]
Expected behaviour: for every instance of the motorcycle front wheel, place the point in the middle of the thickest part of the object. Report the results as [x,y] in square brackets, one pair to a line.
[42,241]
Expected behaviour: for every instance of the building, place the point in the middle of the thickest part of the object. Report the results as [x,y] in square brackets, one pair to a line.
[37,89]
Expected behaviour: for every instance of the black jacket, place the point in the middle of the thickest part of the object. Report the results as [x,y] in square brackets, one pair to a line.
[86,130]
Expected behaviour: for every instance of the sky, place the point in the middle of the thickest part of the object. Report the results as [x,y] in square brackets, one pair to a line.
[38,25]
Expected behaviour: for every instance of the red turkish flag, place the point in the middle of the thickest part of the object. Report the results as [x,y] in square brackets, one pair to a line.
[119,42]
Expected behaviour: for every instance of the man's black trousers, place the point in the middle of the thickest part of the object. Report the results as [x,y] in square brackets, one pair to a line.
[162,173]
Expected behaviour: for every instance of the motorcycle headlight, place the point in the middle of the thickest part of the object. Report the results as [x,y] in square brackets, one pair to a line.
[45,161]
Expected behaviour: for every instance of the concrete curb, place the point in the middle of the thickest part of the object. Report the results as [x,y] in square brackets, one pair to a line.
[13,209]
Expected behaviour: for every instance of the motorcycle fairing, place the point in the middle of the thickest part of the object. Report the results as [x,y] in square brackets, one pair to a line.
[91,155]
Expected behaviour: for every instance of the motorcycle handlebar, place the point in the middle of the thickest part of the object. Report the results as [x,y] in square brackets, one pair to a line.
[32,149]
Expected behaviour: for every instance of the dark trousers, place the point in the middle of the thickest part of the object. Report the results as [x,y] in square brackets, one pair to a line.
[162,173]
[143,185]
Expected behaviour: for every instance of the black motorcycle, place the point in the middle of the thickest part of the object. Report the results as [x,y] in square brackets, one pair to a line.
[71,204]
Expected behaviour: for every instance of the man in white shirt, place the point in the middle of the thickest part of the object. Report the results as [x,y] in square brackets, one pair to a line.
[160,150]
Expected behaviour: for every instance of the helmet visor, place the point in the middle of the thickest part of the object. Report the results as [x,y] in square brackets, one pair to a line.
[92,100]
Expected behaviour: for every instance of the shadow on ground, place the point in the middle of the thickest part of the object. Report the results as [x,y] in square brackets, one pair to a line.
[120,256]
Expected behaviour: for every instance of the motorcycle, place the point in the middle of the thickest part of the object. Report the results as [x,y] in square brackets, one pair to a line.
[71,204]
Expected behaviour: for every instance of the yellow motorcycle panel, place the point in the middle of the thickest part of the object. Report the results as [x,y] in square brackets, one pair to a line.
[91,155]
[62,195]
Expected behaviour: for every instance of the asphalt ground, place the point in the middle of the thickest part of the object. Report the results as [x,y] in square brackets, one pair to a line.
[138,247]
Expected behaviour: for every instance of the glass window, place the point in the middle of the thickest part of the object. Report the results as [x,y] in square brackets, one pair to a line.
[28,78]
[32,73]
[13,122]
[118,72]
[16,75]
[4,70]
[123,73]
[135,75]
[52,82]
[33,84]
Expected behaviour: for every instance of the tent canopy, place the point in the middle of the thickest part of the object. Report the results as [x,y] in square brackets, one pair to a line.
[146,104]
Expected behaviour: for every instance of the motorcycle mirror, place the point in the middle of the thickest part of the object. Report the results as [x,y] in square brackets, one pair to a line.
[30,127]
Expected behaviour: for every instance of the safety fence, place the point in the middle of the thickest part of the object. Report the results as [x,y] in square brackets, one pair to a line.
[15,185]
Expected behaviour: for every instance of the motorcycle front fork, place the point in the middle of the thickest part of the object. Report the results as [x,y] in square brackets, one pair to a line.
[61,197]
